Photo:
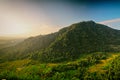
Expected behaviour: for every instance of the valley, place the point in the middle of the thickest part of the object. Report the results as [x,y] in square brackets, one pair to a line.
[7,41]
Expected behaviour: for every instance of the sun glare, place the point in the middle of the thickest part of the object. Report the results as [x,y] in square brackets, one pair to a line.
[15,26]
[18,29]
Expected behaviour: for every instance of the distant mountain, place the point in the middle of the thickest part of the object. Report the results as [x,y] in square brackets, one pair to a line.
[67,44]
[27,46]
[79,38]
[8,42]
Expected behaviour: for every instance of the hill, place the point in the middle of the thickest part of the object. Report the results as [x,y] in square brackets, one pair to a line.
[80,69]
[66,44]
[81,51]
[24,48]
[80,38]
[8,41]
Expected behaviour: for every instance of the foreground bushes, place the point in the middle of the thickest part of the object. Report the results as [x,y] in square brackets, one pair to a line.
[77,70]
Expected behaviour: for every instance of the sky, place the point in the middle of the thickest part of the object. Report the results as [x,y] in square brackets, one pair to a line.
[24,18]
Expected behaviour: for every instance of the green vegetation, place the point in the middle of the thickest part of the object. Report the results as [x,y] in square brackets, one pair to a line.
[8,42]
[67,44]
[24,49]
[82,51]
[76,70]
[80,38]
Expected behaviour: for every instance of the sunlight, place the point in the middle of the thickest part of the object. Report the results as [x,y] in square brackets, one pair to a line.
[12,25]
[18,29]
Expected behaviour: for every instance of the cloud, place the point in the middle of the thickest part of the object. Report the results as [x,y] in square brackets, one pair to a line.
[110,21]
[113,23]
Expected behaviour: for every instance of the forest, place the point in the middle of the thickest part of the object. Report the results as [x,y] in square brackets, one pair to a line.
[95,66]
[81,51]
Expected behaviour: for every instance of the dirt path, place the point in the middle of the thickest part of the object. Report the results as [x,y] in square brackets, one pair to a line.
[98,67]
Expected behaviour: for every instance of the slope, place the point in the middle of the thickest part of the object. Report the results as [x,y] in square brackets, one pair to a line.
[66,44]
[79,38]
[76,70]
[27,46]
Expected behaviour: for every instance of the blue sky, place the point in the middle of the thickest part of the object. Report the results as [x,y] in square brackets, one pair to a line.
[33,17]
[79,11]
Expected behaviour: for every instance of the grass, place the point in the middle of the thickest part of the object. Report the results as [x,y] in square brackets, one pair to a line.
[99,67]
[18,64]
[30,69]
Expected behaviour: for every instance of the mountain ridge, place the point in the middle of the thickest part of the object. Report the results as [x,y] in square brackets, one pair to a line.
[68,43]
[83,37]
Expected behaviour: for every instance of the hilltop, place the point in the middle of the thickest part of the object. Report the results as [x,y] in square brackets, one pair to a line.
[84,50]
[66,44]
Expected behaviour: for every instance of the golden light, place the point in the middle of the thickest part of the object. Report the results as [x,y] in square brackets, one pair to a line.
[17,29]
[23,21]
[14,26]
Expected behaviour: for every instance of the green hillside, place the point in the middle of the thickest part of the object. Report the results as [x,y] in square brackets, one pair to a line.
[24,48]
[8,42]
[80,69]
[81,51]
[67,44]
[80,38]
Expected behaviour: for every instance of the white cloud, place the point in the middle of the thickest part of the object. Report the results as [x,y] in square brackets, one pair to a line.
[110,21]
[113,23]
